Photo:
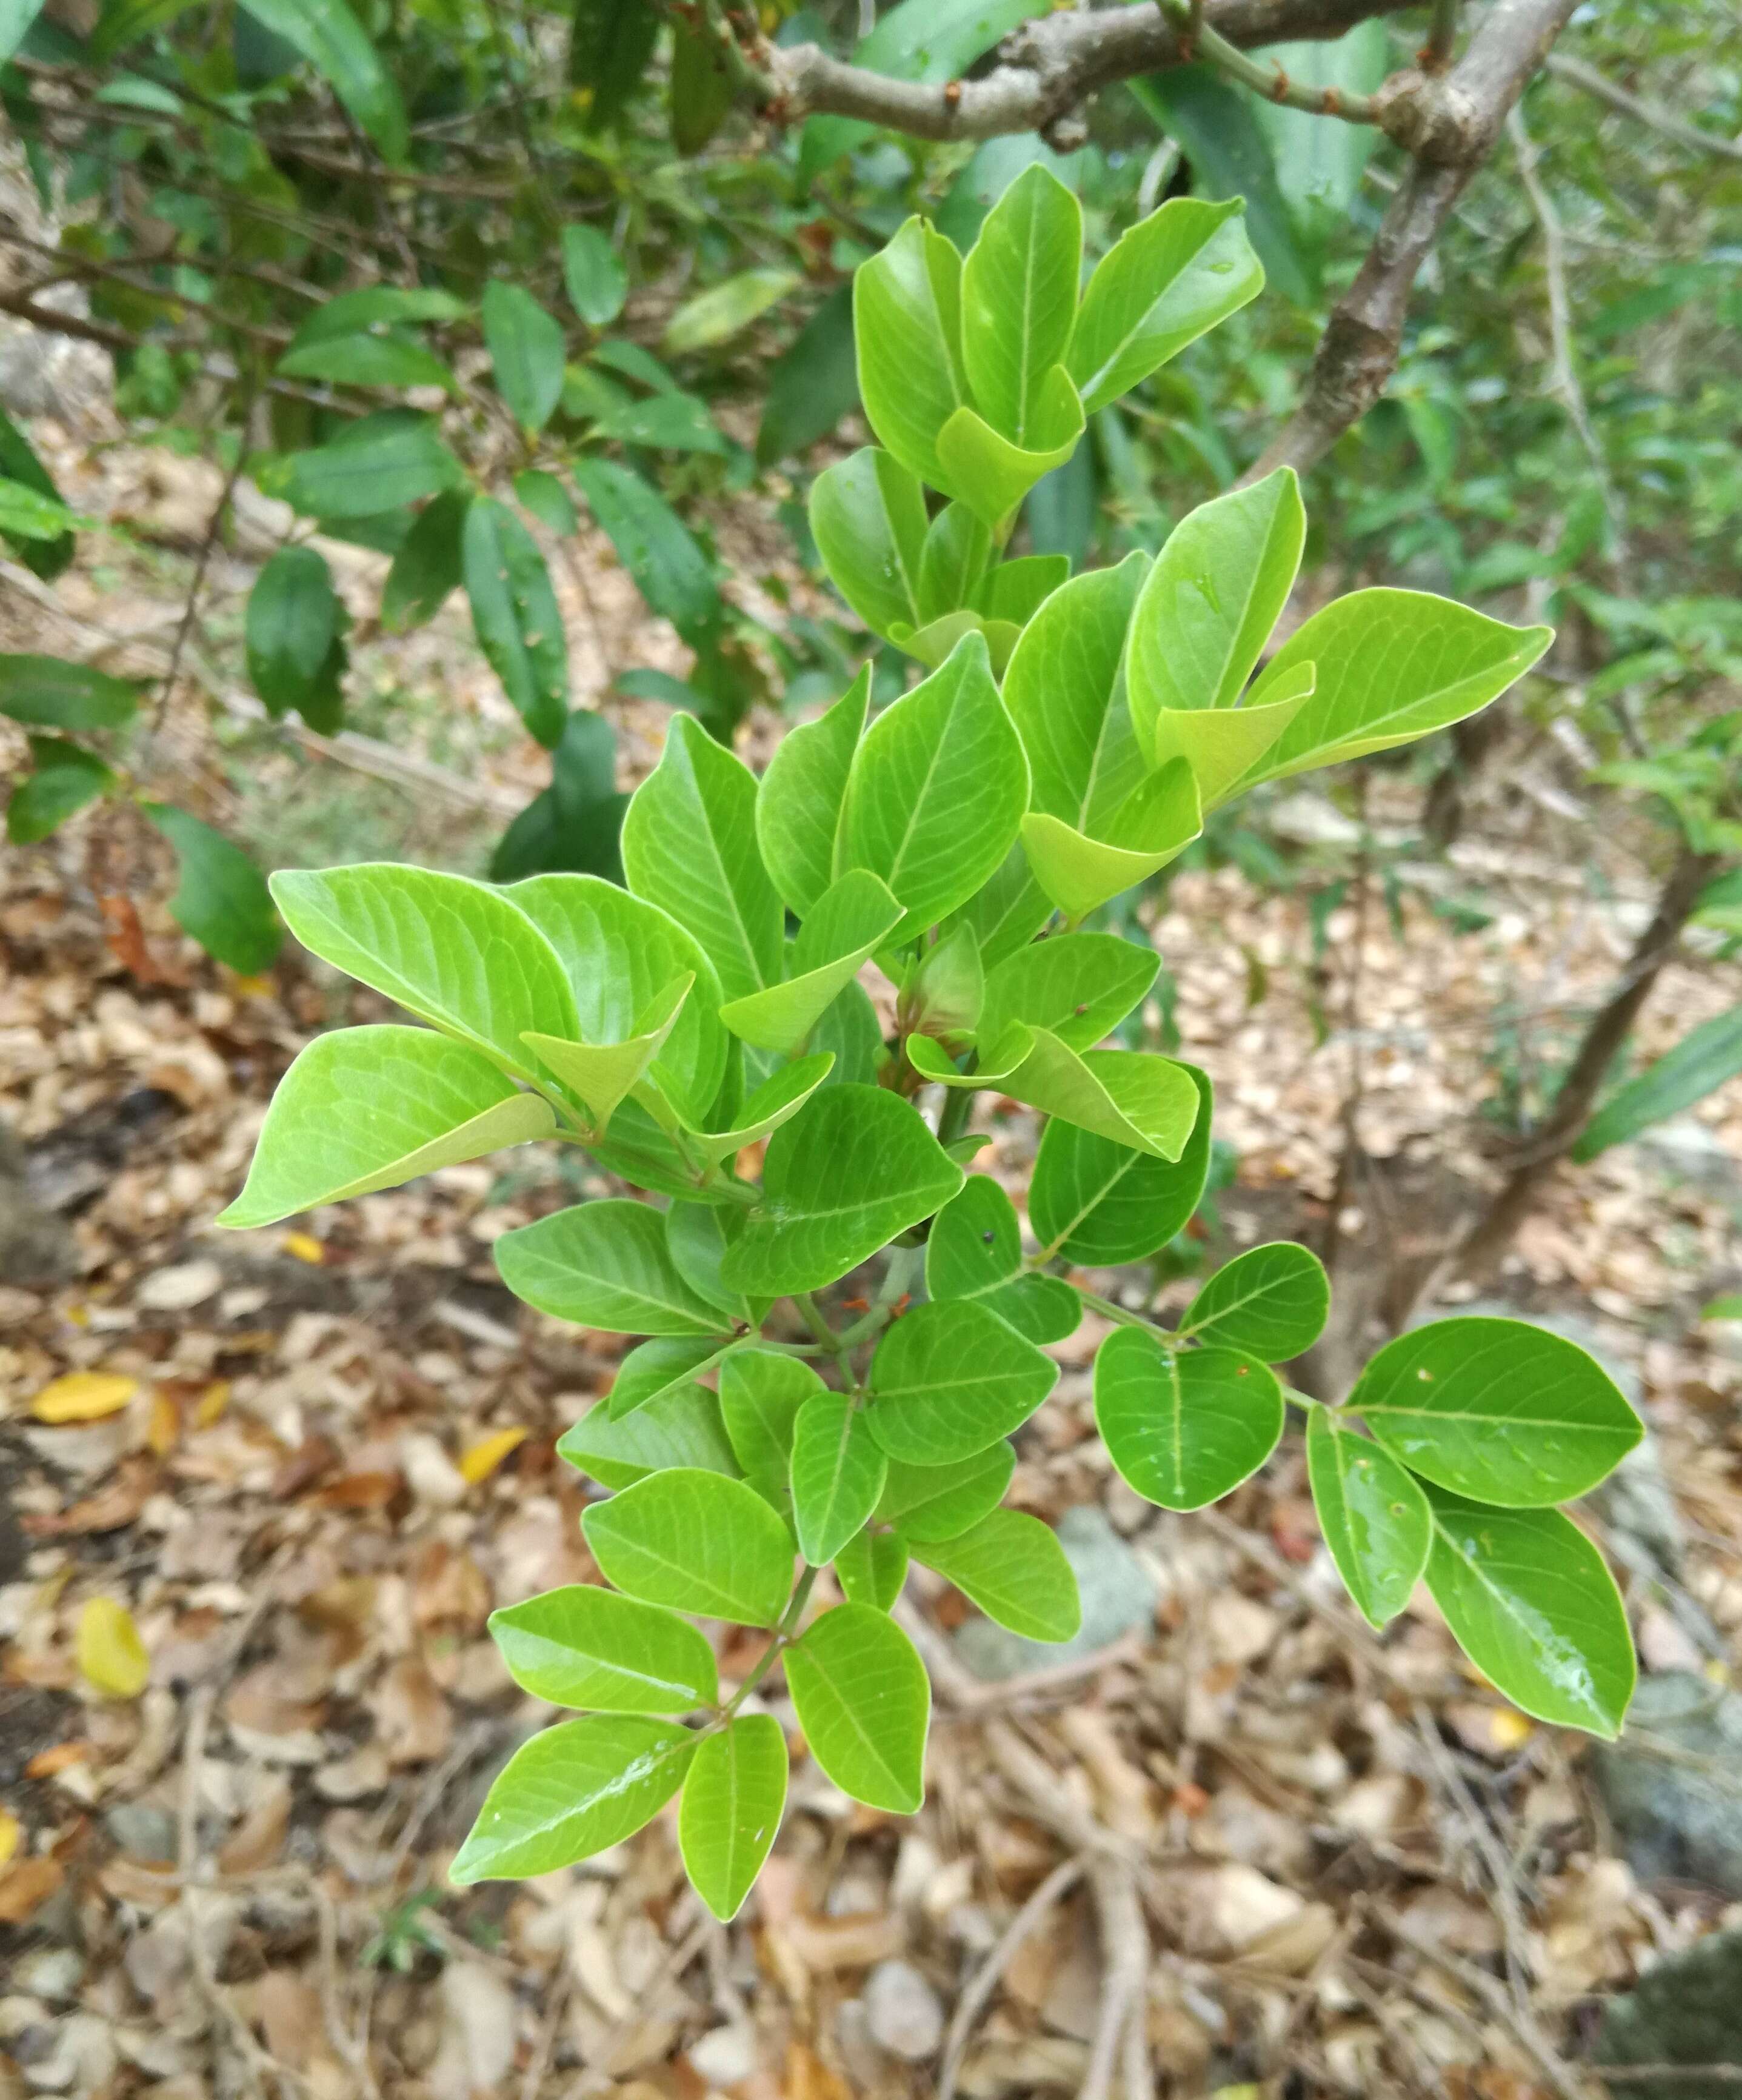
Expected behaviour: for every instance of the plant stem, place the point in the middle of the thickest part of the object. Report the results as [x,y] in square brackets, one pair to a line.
[783,1634]
[952,1117]
[1126,1317]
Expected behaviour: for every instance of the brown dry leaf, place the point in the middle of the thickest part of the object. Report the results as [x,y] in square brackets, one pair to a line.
[111,1508]
[27,1885]
[809,2078]
[288,2009]
[259,1838]
[415,1724]
[449,1590]
[262,1702]
[84,1397]
[112,1658]
[46,1763]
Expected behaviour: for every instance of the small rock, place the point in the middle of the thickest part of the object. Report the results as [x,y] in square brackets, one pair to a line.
[902,2011]
[1117,1591]
[82,2057]
[178,1289]
[1678,1820]
[1307,818]
[1688,2010]
[1692,1151]
[1239,1629]
[142,1832]
[53,1973]
[725,2055]
[430,1474]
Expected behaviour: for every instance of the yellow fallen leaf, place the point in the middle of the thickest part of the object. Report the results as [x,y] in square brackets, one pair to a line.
[9,1834]
[112,1656]
[480,1459]
[251,987]
[212,1403]
[1510,1729]
[305,1247]
[83,1396]
[164,1426]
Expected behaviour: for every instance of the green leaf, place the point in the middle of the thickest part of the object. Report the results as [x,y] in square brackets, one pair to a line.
[854,1168]
[1006,912]
[573,1790]
[669,569]
[670,423]
[697,1236]
[1101,1203]
[974,1251]
[220,897]
[907,324]
[837,1475]
[527,352]
[1019,299]
[609,45]
[1079,986]
[682,1428]
[1531,1602]
[863,1701]
[604,1264]
[733,1800]
[455,952]
[621,955]
[63,777]
[871,1569]
[1704,1060]
[1155,823]
[1272,1302]
[330,37]
[867,516]
[994,473]
[1013,1567]
[697,1541]
[602,1074]
[1224,745]
[1138,1099]
[761,1393]
[951,1379]
[1184,1427]
[701,89]
[1062,690]
[1162,284]
[945,994]
[429,565]
[689,845]
[658,1367]
[1496,1409]
[375,306]
[593,274]
[812,384]
[379,463]
[725,310]
[363,1109]
[928,1504]
[1392,665]
[46,558]
[294,633]
[775,1102]
[1219,583]
[1374,1515]
[388,359]
[515,616]
[798,803]
[937,791]
[850,919]
[46,692]
[27,513]
[585,1647]
[124,22]
[1015,591]
[953,560]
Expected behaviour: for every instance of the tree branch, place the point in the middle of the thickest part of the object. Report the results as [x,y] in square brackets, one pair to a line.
[1449,124]
[1578,74]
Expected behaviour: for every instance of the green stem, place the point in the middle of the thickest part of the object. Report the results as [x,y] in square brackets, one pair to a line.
[1126,1318]
[952,1117]
[783,1637]
[1303,1400]
[897,1280]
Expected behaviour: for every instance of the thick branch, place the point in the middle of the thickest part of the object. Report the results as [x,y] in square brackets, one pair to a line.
[1578,74]
[1452,124]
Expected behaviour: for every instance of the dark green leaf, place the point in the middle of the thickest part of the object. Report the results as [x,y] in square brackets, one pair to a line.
[221,898]
[63,779]
[701,88]
[329,36]
[45,691]
[1184,1426]
[377,464]
[610,44]
[515,616]
[19,462]
[526,349]
[1704,1060]
[594,274]
[294,633]
[1272,1302]
[812,384]
[428,565]
[668,568]
[1374,1515]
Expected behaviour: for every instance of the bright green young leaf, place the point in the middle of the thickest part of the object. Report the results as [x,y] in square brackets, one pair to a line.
[526,352]
[605,1264]
[1164,283]
[1154,824]
[1147,1102]
[27,513]
[1079,986]
[221,898]
[1374,1515]
[429,565]
[798,803]
[863,1701]
[63,779]
[907,325]
[363,1109]
[1223,745]
[574,1790]
[656,548]
[455,952]
[945,994]
[379,463]
[294,635]
[994,474]
[837,1475]
[1532,1603]
[49,694]
[761,1393]
[975,1251]
[1392,665]
[658,1367]
[1015,591]
[867,516]
[1019,300]
[585,1647]
[601,1073]
[1704,1060]
[1006,912]
[936,790]
[1100,1204]
[928,1504]
[329,36]
[682,1428]
[1184,1427]
[775,1102]
[593,275]
[1272,1302]
[951,1379]
[851,919]
[1013,1567]
[871,1569]
[733,1800]
[621,956]
[958,547]
[19,460]
[515,616]
[689,845]
[854,1168]
[1223,576]
[725,310]
[697,1541]
[1496,1409]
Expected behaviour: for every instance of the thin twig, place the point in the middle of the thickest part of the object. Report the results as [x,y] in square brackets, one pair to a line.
[978,1990]
[1577,73]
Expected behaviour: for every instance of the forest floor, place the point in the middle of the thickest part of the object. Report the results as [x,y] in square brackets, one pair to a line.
[1316,1859]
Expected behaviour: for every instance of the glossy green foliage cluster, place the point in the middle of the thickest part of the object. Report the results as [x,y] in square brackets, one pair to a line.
[705,1032]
